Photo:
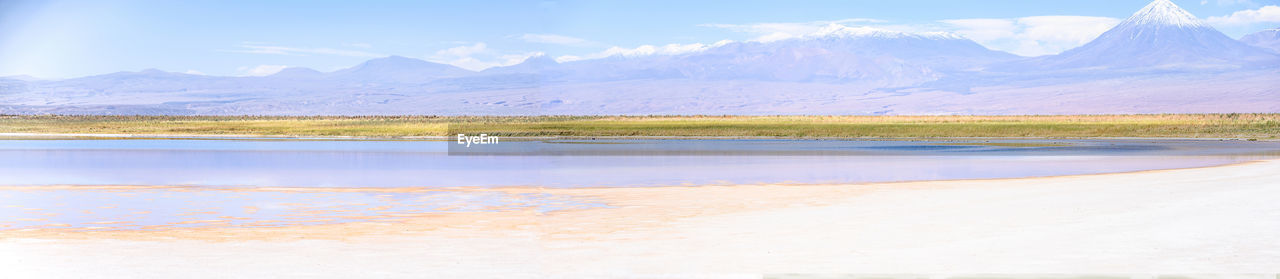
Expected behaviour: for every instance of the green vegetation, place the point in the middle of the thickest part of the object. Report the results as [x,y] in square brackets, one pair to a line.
[1251,126]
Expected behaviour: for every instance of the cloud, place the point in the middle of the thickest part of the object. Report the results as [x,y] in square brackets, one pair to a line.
[463,51]
[1032,36]
[773,37]
[798,28]
[773,31]
[260,70]
[478,57]
[194,72]
[1265,14]
[1230,2]
[985,29]
[262,48]
[644,50]
[556,40]
[794,29]
[1028,36]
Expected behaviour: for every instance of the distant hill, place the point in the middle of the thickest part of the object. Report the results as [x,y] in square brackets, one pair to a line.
[1160,36]
[1160,60]
[1268,39]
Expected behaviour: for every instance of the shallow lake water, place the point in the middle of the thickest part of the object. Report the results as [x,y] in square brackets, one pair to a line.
[166,208]
[217,170]
[587,163]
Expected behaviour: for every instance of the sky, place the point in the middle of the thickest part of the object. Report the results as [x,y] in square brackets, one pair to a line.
[72,38]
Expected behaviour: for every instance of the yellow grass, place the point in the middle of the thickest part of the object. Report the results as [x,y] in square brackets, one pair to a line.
[1257,126]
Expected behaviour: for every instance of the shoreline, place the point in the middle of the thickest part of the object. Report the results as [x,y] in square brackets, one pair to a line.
[526,188]
[89,136]
[1210,126]
[1206,220]
[614,197]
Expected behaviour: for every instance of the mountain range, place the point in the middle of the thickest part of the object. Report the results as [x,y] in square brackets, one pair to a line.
[1160,36]
[1267,39]
[1160,60]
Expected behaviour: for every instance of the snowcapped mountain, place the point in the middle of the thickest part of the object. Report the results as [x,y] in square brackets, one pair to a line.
[836,54]
[1160,36]
[1160,60]
[843,54]
[1268,39]
[1165,13]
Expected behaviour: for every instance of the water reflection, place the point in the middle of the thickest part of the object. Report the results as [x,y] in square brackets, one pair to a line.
[216,167]
[166,208]
[588,163]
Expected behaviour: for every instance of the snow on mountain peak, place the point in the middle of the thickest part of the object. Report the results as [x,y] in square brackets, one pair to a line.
[1160,36]
[1164,12]
[841,31]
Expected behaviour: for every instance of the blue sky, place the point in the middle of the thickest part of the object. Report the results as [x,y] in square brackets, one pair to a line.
[60,39]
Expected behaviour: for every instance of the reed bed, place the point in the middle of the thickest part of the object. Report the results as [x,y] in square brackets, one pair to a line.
[1250,126]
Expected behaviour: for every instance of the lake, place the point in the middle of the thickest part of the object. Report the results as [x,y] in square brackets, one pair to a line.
[222,179]
[587,163]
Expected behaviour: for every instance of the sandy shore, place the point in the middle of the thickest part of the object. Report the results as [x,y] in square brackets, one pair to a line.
[1191,221]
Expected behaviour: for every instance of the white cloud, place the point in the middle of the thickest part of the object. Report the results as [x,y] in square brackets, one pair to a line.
[463,51]
[1266,14]
[262,48]
[556,39]
[1032,36]
[1029,36]
[260,70]
[194,72]
[774,31]
[478,57]
[776,36]
[794,29]
[1230,2]
[644,50]
[985,29]
[771,32]
[512,59]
